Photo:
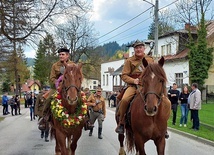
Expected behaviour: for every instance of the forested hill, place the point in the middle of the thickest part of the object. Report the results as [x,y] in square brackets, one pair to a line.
[108,50]
[30,61]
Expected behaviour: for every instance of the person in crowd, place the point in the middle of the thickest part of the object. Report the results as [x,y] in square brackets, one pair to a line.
[5,103]
[31,104]
[131,75]
[184,106]
[40,101]
[112,96]
[17,100]
[25,98]
[12,105]
[56,76]
[194,101]
[87,92]
[173,95]
[109,98]
[98,110]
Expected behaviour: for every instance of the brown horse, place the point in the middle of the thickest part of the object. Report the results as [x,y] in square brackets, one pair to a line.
[70,100]
[150,110]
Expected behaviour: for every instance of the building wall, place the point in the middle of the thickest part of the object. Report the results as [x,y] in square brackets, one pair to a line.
[92,84]
[177,66]
[172,40]
[106,78]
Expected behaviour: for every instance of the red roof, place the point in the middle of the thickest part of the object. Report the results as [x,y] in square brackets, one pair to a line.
[180,55]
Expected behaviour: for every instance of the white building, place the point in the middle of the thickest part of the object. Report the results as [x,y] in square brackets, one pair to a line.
[92,84]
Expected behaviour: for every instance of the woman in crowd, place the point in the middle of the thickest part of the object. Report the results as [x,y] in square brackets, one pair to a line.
[184,106]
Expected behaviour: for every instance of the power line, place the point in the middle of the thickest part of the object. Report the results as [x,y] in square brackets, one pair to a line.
[125,30]
[130,21]
[125,23]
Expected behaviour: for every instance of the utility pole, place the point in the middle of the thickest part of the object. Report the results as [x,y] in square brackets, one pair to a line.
[156,8]
[156,27]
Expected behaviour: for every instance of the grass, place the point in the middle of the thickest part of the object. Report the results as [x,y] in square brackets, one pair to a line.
[206,116]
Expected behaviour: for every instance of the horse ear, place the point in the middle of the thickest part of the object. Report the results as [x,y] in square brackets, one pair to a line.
[145,63]
[161,61]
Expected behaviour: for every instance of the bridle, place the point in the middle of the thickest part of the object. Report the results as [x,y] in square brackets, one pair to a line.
[144,96]
[67,88]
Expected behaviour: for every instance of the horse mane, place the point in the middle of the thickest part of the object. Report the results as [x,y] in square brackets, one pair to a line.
[76,68]
[157,70]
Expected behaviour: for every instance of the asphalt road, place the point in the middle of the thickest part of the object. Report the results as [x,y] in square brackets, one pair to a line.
[20,136]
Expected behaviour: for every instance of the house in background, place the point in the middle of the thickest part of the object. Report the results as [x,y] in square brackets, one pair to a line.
[31,86]
[92,84]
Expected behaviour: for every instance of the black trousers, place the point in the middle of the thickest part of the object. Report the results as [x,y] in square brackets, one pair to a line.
[195,119]
[174,112]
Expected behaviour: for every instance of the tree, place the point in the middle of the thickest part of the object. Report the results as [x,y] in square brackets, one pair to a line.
[45,57]
[165,25]
[21,21]
[200,56]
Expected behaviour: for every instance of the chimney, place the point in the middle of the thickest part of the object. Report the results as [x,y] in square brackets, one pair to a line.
[187,26]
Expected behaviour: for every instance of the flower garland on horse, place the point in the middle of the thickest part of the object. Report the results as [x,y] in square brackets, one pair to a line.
[61,113]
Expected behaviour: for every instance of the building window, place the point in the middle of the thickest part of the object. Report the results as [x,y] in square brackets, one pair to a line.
[103,80]
[116,83]
[107,80]
[94,82]
[179,79]
[163,49]
[168,49]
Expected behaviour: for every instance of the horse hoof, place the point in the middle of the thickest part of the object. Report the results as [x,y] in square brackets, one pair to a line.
[58,153]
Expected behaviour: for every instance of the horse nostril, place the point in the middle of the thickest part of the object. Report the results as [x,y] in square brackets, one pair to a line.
[145,107]
[155,109]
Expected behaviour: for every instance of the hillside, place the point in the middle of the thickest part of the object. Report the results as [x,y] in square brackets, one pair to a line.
[30,61]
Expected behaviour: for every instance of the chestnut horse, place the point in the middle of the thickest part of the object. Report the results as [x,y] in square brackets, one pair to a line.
[150,110]
[70,97]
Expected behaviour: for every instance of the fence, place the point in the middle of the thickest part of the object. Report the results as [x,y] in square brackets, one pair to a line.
[208,94]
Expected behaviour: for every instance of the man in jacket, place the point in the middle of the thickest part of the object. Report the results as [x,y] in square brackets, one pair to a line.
[57,70]
[130,75]
[173,95]
[40,102]
[5,104]
[194,100]
[98,110]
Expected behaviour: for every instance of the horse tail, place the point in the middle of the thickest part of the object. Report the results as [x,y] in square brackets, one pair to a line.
[130,140]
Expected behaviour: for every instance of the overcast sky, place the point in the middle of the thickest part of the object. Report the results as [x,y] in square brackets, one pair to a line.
[108,15]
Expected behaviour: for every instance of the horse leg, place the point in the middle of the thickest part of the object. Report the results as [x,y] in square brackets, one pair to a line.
[160,144]
[139,145]
[68,144]
[75,138]
[121,140]
[61,143]
[57,147]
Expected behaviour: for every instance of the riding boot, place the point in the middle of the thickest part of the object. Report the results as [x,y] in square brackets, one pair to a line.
[100,133]
[46,139]
[91,131]
[120,127]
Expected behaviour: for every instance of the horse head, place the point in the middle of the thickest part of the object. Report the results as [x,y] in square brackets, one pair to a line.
[154,81]
[71,83]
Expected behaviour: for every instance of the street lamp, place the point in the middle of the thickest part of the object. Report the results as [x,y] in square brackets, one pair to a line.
[156,6]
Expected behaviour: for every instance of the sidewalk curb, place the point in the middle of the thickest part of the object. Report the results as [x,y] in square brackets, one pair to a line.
[196,138]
